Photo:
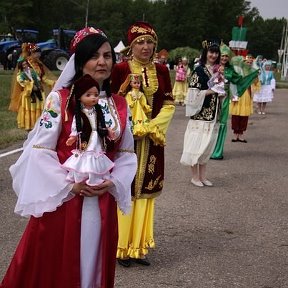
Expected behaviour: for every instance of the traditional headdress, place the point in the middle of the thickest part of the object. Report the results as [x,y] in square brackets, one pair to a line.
[83,84]
[140,31]
[206,44]
[225,50]
[164,53]
[80,35]
[248,57]
[69,70]
[125,86]
[135,77]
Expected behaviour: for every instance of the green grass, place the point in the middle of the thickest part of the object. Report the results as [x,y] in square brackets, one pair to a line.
[9,132]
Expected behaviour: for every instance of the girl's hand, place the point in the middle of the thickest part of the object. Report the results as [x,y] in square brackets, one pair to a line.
[71,140]
[83,189]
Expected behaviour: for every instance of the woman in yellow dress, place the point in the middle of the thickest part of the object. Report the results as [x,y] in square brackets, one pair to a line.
[136,230]
[28,81]
[242,107]
[180,87]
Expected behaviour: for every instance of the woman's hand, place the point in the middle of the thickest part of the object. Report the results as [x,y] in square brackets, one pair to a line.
[83,189]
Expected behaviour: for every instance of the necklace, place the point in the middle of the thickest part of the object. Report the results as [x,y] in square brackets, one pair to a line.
[89,111]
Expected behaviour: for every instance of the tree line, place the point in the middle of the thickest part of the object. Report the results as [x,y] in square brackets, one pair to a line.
[178,23]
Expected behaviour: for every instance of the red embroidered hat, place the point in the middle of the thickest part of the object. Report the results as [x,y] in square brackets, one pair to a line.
[141,29]
[83,84]
[135,77]
[80,35]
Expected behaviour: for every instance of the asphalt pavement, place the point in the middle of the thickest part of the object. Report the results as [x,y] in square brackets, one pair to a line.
[234,234]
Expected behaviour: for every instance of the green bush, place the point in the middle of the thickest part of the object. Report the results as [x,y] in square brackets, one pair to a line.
[188,52]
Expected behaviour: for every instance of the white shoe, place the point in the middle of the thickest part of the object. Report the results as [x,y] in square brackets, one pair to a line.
[197,183]
[207,183]
[259,112]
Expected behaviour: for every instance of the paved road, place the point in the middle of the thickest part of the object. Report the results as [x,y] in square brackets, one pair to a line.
[234,234]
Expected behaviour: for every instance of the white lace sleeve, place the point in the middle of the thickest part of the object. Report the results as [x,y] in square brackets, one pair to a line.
[38,178]
[194,101]
[124,170]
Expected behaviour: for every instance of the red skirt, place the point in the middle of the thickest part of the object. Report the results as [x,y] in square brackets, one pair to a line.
[48,254]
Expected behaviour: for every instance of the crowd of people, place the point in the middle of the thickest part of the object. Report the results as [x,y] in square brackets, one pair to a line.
[93,165]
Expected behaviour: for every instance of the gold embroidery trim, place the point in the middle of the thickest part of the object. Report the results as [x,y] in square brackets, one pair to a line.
[148,196]
[168,102]
[42,147]
[152,183]
[142,151]
[115,117]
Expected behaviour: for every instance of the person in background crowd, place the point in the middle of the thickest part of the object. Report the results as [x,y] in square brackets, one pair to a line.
[241,106]
[235,85]
[181,81]
[136,230]
[36,81]
[163,58]
[268,85]
[202,106]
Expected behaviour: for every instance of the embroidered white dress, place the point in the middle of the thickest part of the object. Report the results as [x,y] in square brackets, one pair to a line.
[268,85]
[91,164]
[200,136]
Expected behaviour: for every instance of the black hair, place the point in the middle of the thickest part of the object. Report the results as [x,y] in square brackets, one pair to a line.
[213,48]
[84,51]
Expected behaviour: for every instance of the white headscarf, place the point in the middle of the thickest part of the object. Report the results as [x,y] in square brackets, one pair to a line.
[66,75]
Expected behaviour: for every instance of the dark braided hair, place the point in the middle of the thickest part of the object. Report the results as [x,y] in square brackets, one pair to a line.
[84,128]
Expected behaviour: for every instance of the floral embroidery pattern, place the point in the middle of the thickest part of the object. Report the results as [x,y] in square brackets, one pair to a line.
[152,183]
[207,113]
[151,165]
[46,118]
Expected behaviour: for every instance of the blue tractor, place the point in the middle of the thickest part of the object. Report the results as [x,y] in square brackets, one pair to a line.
[9,44]
[54,52]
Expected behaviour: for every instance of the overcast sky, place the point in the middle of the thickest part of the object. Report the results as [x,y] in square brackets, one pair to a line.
[271,8]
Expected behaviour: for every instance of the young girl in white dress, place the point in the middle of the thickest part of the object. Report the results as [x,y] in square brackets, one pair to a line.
[88,161]
[268,85]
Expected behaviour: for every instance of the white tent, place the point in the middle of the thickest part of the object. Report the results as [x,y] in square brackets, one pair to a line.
[120,46]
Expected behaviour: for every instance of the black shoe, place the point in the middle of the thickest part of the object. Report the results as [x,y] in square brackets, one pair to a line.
[235,140]
[242,140]
[140,261]
[217,158]
[124,262]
